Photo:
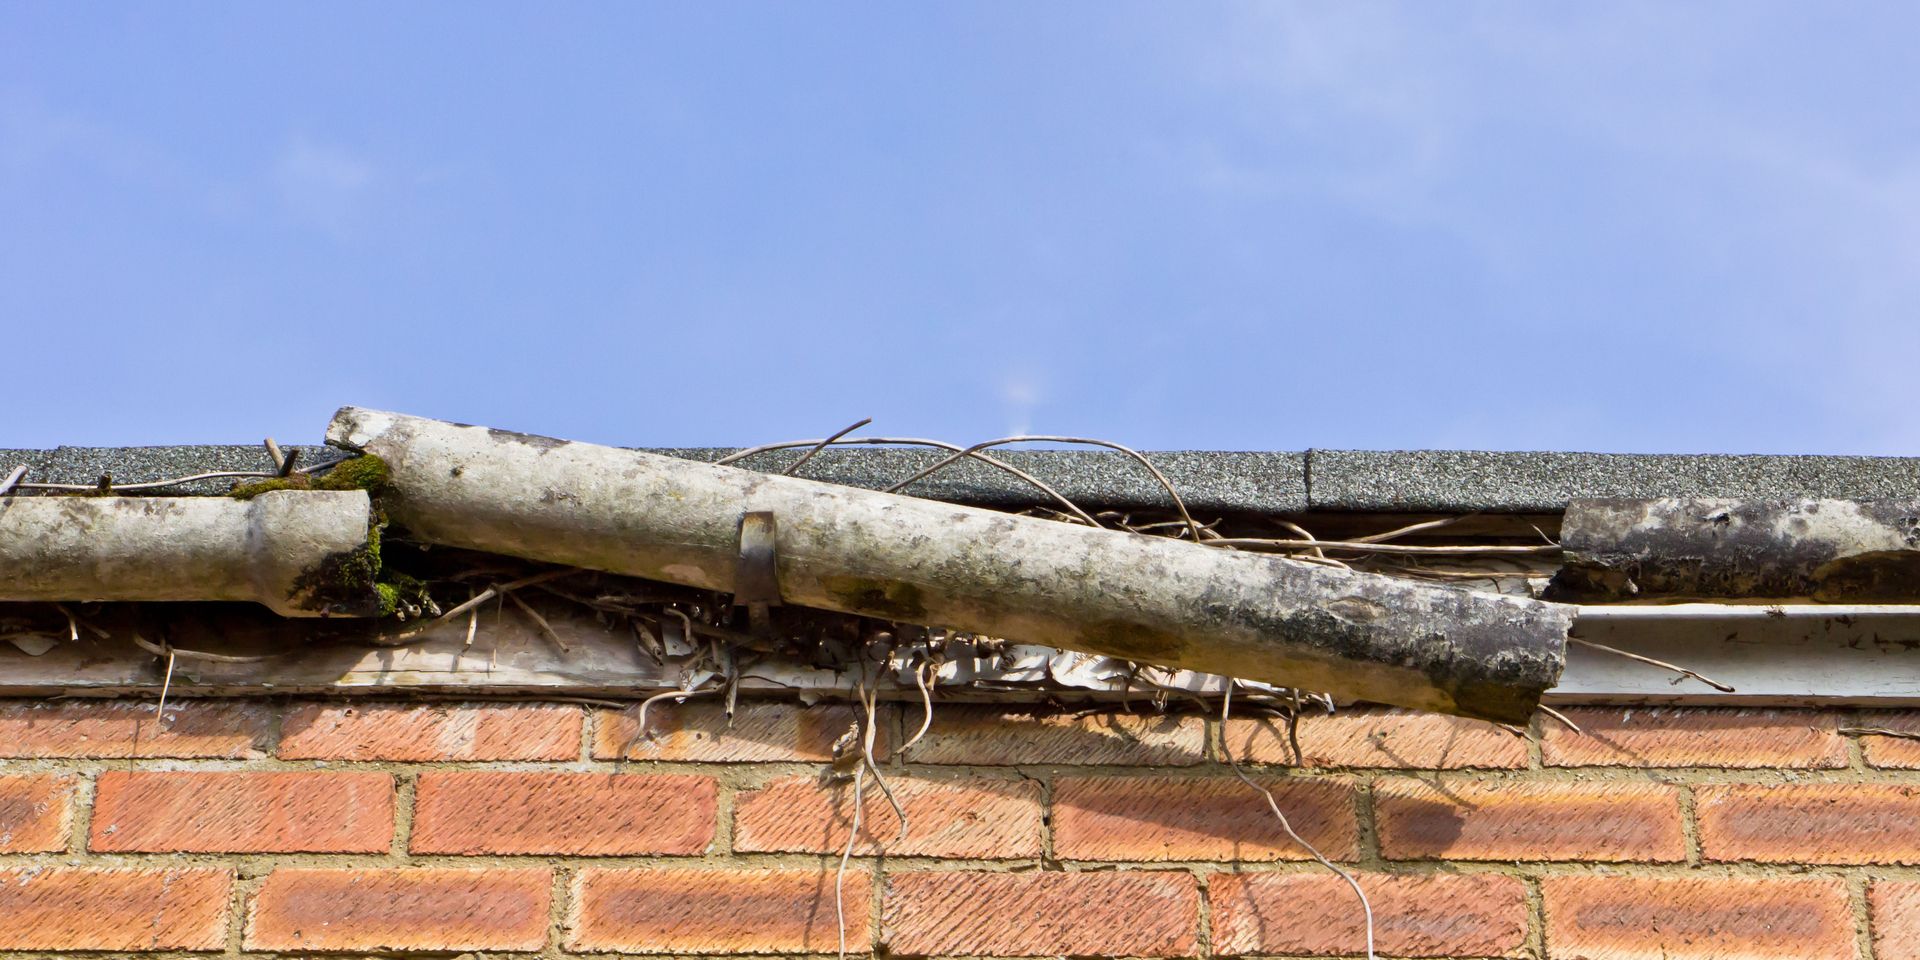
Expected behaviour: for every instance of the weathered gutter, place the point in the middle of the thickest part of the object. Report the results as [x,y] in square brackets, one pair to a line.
[856,551]
[303,554]
[1832,551]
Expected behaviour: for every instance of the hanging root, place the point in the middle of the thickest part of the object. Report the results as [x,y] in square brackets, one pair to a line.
[868,703]
[1366,908]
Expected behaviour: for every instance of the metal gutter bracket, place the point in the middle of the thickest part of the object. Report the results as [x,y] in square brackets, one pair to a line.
[756,580]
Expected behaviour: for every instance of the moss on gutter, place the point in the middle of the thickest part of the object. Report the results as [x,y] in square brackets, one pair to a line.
[365,472]
[351,579]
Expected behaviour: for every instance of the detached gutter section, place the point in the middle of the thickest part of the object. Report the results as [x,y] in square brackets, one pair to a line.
[1830,551]
[301,553]
[854,551]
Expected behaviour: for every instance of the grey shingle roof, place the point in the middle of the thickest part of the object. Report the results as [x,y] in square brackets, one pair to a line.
[1211,481]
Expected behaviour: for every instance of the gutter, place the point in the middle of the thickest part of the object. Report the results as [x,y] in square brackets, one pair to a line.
[299,553]
[1256,617]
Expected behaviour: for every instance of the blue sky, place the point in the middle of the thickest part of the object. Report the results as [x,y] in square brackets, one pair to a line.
[1636,227]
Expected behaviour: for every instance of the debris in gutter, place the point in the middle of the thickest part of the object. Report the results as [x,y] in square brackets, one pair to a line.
[1829,551]
[1146,599]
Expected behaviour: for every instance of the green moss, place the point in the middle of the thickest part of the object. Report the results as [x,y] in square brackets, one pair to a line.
[396,588]
[247,491]
[389,598]
[366,472]
[358,578]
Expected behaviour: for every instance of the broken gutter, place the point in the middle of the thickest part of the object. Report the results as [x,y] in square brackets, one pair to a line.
[302,554]
[1146,599]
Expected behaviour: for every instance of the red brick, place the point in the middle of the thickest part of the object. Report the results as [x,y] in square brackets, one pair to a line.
[994,736]
[697,731]
[1895,907]
[400,909]
[1317,915]
[583,814]
[1810,822]
[1399,739]
[967,818]
[1042,914]
[62,908]
[420,732]
[128,728]
[1706,918]
[718,911]
[1893,753]
[1514,820]
[242,812]
[34,813]
[1217,818]
[1695,737]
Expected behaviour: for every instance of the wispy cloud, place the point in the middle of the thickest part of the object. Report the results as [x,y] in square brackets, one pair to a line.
[325,185]
[1804,244]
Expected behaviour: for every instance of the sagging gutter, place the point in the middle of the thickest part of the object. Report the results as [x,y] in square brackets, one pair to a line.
[302,554]
[1257,617]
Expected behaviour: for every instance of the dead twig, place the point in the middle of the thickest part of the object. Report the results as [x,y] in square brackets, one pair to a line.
[1879,732]
[1453,550]
[473,603]
[926,700]
[853,837]
[1557,715]
[1683,671]
[1226,707]
[1413,528]
[822,445]
[1036,482]
[1172,492]
[546,629]
[640,731]
[170,651]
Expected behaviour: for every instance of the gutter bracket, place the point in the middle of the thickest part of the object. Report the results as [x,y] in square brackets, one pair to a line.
[756,577]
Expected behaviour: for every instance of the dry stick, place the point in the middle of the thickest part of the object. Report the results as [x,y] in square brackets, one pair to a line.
[473,603]
[866,757]
[73,619]
[12,480]
[1683,671]
[853,837]
[1411,528]
[1178,504]
[926,698]
[916,442]
[473,620]
[1226,706]
[545,627]
[151,484]
[174,481]
[160,709]
[1459,550]
[1557,715]
[822,445]
[1878,732]
[1319,553]
[640,722]
[169,651]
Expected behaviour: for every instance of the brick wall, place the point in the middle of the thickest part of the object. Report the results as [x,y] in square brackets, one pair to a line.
[259,827]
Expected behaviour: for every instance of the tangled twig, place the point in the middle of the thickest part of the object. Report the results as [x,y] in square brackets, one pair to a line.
[1037,483]
[1172,492]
